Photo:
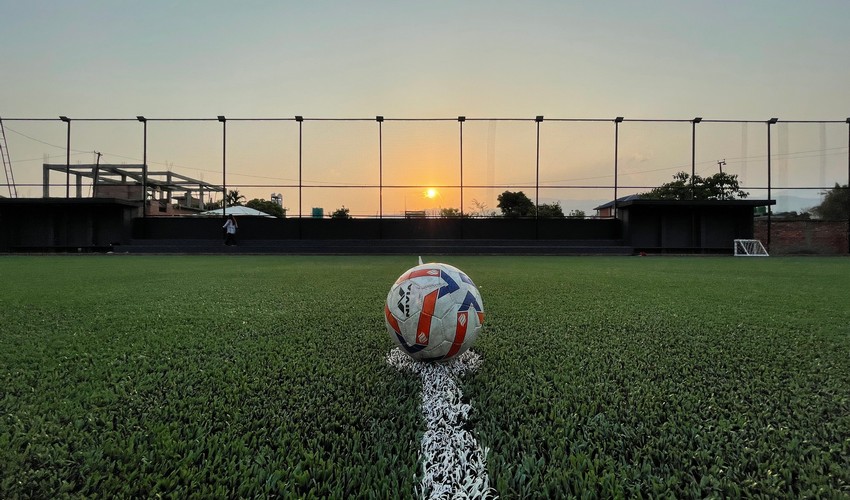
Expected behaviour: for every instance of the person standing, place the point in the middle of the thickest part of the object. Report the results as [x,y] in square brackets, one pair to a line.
[230,226]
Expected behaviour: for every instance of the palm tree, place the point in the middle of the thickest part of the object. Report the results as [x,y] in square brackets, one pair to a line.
[233,198]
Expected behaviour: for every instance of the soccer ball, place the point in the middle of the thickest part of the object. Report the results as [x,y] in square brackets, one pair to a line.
[434,312]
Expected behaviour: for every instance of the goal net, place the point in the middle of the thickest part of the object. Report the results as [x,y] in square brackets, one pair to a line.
[749,248]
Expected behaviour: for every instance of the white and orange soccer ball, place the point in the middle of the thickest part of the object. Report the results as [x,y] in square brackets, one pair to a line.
[434,312]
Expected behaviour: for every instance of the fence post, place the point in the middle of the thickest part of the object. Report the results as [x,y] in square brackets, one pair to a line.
[67,158]
[537,119]
[300,120]
[694,151]
[460,120]
[770,122]
[145,166]
[223,121]
[380,120]
[617,122]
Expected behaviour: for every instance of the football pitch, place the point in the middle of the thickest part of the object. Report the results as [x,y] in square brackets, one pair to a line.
[244,376]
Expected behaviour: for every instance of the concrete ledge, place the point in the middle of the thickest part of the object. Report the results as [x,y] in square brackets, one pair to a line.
[379,247]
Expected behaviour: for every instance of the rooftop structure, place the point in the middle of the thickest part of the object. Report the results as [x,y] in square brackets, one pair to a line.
[134,183]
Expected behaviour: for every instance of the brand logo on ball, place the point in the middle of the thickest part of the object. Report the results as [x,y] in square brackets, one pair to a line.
[404,301]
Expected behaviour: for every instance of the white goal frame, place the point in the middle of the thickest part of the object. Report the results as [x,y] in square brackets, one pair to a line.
[750,248]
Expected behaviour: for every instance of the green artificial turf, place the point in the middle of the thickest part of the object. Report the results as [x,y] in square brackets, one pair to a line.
[255,376]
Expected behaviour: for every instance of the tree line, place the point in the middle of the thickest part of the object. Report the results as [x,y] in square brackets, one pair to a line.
[723,186]
[235,198]
[720,186]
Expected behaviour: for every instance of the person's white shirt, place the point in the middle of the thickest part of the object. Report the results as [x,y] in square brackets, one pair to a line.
[230,226]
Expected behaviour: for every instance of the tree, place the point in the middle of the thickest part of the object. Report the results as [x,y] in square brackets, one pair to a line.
[449,212]
[212,205]
[679,189]
[550,210]
[233,198]
[341,213]
[835,204]
[268,207]
[720,186]
[576,214]
[515,204]
[480,209]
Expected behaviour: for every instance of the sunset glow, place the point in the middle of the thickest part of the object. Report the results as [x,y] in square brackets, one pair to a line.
[340,154]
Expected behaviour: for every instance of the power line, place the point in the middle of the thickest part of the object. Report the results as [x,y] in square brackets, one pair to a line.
[44,142]
[51,156]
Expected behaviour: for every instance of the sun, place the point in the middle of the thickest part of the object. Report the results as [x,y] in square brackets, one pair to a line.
[431,193]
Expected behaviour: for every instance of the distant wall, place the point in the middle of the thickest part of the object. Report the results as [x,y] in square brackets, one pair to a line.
[674,226]
[87,224]
[821,237]
[253,228]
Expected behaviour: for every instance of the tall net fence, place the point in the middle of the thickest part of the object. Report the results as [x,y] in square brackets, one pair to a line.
[394,167]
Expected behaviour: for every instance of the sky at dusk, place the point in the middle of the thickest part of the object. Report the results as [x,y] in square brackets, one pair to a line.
[487,59]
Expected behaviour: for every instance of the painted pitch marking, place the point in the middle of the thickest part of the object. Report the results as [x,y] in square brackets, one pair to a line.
[453,463]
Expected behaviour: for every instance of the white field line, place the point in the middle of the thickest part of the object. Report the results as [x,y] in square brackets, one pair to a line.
[453,463]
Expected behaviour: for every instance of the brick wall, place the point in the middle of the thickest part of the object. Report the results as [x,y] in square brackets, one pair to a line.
[821,237]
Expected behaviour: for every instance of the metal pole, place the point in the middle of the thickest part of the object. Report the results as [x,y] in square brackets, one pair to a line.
[616,158]
[300,183]
[67,158]
[538,119]
[145,170]
[300,120]
[693,154]
[461,119]
[769,211]
[223,121]
[145,166]
[848,183]
[694,235]
[537,175]
[380,120]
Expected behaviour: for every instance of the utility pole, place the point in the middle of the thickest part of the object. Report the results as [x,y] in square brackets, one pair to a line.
[96,171]
[720,164]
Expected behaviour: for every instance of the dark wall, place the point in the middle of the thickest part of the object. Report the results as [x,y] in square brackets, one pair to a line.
[251,228]
[686,228]
[86,224]
[61,225]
